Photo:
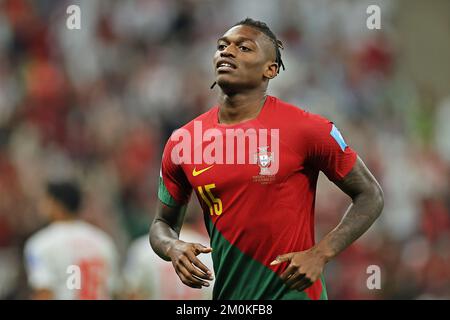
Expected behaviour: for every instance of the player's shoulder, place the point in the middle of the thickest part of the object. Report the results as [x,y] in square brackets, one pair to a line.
[58,233]
[42,239]
[297,115]
[95,232]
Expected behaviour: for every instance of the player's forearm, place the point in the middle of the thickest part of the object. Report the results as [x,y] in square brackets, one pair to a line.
[162,238]
[360,215]
[165,229]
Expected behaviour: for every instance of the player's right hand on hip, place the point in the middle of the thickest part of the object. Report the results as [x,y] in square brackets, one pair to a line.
[189,268]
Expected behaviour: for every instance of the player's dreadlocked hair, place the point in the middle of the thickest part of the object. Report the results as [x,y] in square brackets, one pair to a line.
[261,26]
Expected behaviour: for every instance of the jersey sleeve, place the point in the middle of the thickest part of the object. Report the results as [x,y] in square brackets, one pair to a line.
[40,275]
[174,187]
[326,149]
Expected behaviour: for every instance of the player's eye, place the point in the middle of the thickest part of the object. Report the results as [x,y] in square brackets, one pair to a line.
[221,47]
[244,48]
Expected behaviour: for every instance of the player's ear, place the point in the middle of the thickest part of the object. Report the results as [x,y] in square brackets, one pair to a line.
[271,70]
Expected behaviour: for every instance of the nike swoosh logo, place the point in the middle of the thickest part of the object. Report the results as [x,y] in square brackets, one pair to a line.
[196,173]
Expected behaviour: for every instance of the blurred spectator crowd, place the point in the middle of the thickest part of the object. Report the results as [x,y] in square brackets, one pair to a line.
[99,103]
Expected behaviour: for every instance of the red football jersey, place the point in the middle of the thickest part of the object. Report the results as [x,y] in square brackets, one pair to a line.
[256,182]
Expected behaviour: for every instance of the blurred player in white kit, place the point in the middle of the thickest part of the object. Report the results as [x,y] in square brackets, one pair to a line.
[146,276]
[51,253]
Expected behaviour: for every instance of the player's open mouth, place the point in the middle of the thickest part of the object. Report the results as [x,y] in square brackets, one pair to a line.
[223,65]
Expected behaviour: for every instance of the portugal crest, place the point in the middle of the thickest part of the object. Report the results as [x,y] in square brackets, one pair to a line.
[264,159]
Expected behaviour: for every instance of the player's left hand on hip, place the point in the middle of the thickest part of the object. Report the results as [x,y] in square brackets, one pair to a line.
[304,268]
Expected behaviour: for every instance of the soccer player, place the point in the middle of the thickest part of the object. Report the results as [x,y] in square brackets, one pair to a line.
[70,259]
[260,214]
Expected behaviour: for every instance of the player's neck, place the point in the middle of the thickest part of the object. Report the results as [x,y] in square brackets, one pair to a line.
[240,107]
[64,217]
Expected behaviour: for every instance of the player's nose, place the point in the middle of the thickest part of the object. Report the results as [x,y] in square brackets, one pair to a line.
[228,52]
